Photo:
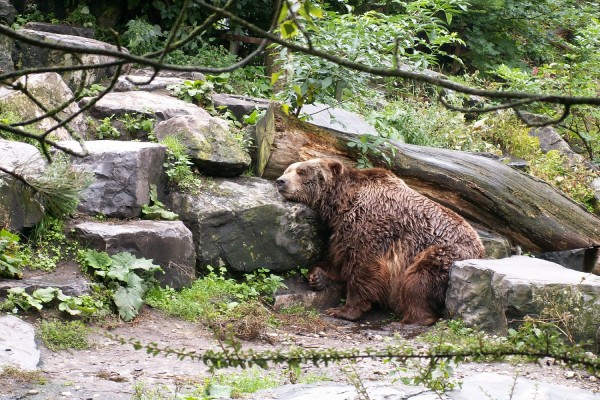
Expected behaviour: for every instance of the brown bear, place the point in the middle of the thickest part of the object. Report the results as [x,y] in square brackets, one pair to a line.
[389,244]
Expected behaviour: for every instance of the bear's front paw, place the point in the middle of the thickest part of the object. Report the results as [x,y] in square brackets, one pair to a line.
[317,279]
[345,312]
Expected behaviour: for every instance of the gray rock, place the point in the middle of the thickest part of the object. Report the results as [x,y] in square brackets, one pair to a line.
[583,260]
[244,224]
[496,246]
[299,293]
[493,294]
[7,12]
[51,91]
[168,243]
[340,391]
[30,56]
[60,29]
[495,386]
[66,277]
[596,188]
[128,83]
[17,344]
[239,105]
[123,172]
[7,16]
[14,208]
[210,144]
[337,119]
[153,105]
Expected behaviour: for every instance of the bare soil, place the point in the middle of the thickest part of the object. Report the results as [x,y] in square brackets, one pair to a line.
[111,370]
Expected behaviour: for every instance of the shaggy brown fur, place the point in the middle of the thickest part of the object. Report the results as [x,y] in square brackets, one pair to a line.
[388,243]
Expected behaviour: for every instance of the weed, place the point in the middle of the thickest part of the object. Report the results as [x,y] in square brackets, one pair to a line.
[137,124]
[49,245]
[92,91]
[128,277]
[105,130]
[155,209]
[249,380]
[178,165]
[59,335]
[11,259]
[18,375]
[222,303]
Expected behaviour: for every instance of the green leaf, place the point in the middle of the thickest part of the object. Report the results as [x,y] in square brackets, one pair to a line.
[45,295]
[97,260]
[288,29]
[128,301]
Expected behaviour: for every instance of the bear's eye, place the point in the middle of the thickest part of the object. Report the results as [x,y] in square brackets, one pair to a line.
[301,171]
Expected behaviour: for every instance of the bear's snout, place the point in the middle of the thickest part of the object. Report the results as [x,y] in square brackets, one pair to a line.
[280,183]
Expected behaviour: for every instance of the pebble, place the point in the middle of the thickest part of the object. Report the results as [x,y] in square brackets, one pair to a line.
[66,394]
[570,374]
[593,379]
[32,392]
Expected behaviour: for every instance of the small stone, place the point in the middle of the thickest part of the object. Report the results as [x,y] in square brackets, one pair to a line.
[66,394]
[32,392]
[593,379]
[570,374]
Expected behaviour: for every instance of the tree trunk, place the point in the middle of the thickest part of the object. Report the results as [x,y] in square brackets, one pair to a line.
[530,212]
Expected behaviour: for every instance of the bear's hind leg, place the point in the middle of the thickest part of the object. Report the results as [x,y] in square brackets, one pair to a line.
[423,287]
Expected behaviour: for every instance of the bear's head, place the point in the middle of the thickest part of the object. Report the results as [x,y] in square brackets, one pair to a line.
[307,181]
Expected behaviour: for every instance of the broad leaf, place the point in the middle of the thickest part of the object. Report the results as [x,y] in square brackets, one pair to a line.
[128,301]
[45,295]
[97,260]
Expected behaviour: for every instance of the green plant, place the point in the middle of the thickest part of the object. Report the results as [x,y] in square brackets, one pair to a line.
[11,259]
[575,313]
[201,90]
[105,130]
[415,38]
[178,165]
[59,335]
[369,146]
[155,209]
[92,91]
[137,123]
[83,306]
[48,245]
[247,381]
[128,277]
[14,374]
[220,302]
[141,37]
[81,16]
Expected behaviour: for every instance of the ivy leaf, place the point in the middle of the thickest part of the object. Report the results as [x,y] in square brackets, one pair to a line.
[128,301]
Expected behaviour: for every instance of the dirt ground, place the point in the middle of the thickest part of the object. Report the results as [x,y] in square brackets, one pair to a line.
[110,370]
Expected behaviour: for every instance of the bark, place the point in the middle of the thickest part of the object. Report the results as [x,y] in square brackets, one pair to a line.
[530,212]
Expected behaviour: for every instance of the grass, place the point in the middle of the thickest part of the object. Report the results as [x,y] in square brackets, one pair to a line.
[59,335]
[15,374]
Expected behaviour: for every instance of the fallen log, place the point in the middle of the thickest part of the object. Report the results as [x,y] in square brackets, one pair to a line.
[530,212]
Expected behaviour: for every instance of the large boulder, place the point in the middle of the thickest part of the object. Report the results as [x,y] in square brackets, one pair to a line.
[61,29]
[123,172]
[168,243]
[239,105]
[154,105]
[17,344]
[50,90]
[7,16]
[244,224]
[210,143]
[30,56]
[132,82]
[495,294]
[15,211]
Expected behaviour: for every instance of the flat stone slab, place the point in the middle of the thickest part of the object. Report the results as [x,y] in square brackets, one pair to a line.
[67,277]
[491,294]
[123,173]
[17,344]
[154,105]
[337,119]
[339,391]
[504,387]
[298,292]
[168,243]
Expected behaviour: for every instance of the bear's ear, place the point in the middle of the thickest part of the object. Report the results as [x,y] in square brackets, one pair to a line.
[336,167]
